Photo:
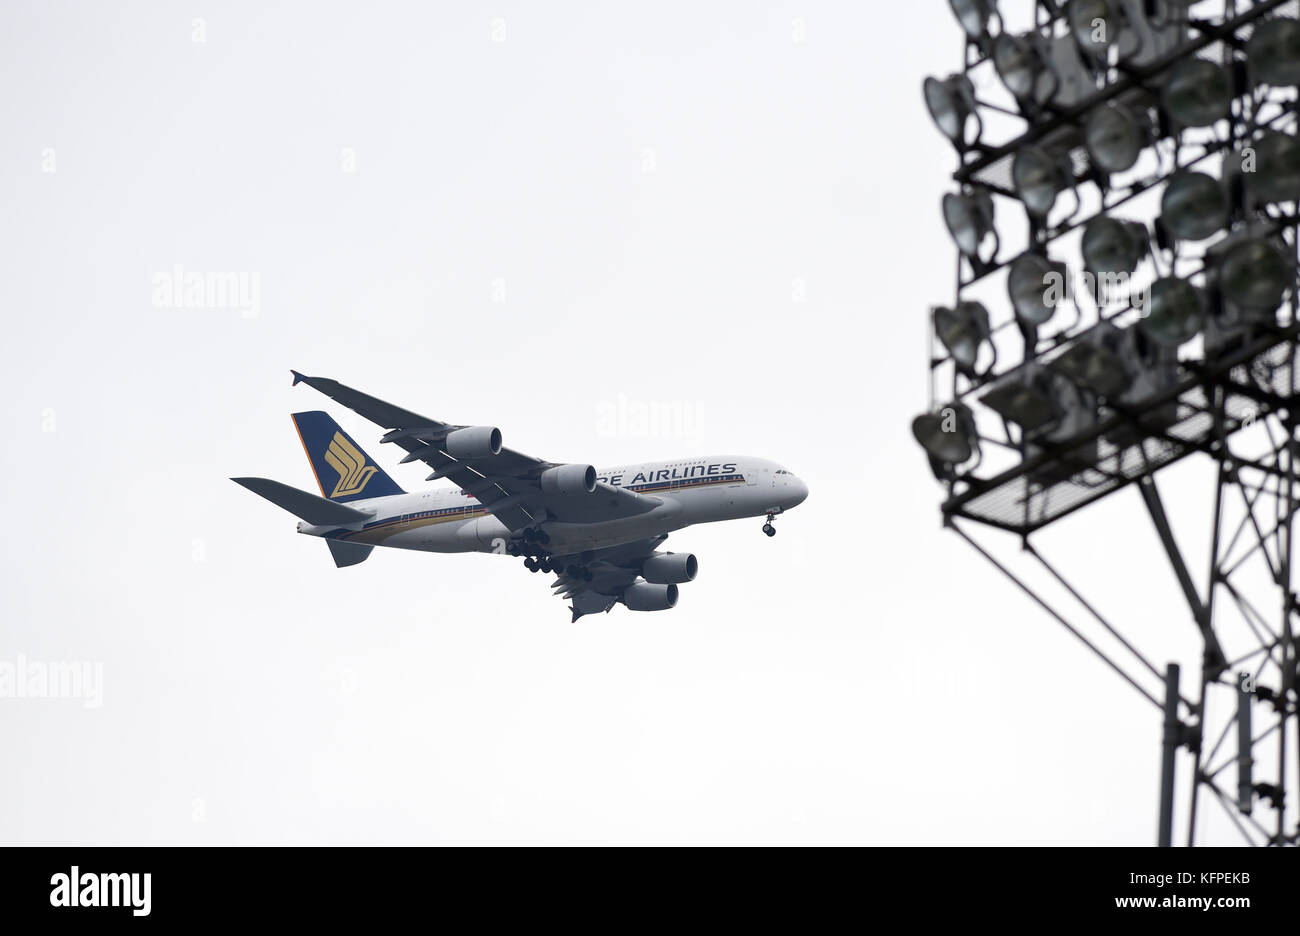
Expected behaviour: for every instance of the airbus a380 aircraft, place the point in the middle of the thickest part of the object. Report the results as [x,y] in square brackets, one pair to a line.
[599,531]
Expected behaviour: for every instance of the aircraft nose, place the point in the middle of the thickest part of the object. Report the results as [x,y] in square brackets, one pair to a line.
[798,492]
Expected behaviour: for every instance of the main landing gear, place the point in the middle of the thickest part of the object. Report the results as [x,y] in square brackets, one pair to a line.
[530,544]
[548,564]
[767,527]
[528,539]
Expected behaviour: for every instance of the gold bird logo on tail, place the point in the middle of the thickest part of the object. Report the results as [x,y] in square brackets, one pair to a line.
[350,463]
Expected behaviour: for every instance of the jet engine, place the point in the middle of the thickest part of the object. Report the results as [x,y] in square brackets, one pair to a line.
[670,568]
[644,596]
[568,480]
[473,442]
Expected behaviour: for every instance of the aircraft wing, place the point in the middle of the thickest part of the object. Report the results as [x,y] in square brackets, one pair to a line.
[596,578]
[506,483]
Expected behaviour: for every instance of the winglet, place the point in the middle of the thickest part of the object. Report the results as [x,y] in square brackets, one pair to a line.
[297,377]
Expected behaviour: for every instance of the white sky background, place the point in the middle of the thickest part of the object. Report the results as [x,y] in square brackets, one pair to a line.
[653,189]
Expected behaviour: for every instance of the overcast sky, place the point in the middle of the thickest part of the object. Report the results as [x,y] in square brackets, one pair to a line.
[721,214]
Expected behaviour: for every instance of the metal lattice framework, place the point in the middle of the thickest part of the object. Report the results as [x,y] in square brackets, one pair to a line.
[1226,394]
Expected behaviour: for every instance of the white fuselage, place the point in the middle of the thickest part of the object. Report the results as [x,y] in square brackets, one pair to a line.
[691,490]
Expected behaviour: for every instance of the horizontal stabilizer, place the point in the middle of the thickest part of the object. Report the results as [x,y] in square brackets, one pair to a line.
[315,510]
[348,554]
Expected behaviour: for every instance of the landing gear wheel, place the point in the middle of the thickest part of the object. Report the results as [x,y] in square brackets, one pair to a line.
[512,549]
[530,564]
[769,529]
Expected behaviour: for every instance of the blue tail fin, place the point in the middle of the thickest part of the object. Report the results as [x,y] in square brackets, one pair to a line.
[343,471]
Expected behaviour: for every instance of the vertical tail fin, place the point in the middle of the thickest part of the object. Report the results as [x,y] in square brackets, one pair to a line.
[343,471]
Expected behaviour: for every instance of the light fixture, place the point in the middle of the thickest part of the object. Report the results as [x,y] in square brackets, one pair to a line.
[1273,52]
[1094,363]
[1255,274]
[969,219]
[1113,246]
[1155,370]
[1197,93]
[1233,324]
[1026,399]
[1096,24]
[1038,177]
[1174,312]
[1032,283]
[1277,168]
[951,103]
[1115,138]
[1155,366]
[963,332]
[947,435]
[1193,205]
[973,15]
[1078,414]
[1022,66]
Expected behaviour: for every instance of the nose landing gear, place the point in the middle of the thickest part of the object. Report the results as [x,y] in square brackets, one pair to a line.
[767,527]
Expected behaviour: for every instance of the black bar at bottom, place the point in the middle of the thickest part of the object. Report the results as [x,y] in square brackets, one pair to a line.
[341,886]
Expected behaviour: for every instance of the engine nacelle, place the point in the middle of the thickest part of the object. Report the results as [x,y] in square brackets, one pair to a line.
[568,480]
[473,442]
[644,596]
[670,568]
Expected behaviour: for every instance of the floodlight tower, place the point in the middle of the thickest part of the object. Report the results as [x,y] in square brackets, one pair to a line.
[1127,187]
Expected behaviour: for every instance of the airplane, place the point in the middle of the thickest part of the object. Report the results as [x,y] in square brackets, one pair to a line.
[599,531]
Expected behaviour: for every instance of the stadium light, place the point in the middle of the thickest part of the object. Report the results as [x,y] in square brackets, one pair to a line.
[1095,365]
[948,436]
[1027,399]
[1277,170]
[1197,93]
[973,16]
[964,331]
[951,103]
[1193,103]
[1255,274]
[969,219]
[1193,206]
[1022,65]
[1030,285]
[1175,311]
[1273,52]
[1113,246]
[1115,138]
[1039,178]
